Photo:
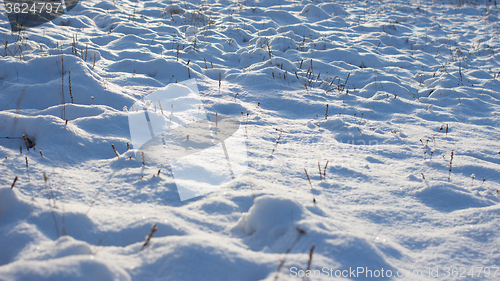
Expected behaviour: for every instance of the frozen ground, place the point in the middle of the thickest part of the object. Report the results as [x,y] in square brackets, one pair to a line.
[382,91]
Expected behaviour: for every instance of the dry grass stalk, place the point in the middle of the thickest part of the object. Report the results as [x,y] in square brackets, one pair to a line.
[301,232]
[220,78]
[277,141]
[28,168]
[451,159]
[114,149]
[161,108]
[26,142]
[152,231]
[309,261]
[308,178]
[143,160]
[14,183]
[70,92]
[269,49]
[324,170]
[319,169]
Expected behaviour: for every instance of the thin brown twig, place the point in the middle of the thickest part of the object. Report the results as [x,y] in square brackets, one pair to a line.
[308,178]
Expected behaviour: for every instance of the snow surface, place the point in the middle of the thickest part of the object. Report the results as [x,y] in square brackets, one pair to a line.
[385,92]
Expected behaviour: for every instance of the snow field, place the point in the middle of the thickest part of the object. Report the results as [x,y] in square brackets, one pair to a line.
[384,91]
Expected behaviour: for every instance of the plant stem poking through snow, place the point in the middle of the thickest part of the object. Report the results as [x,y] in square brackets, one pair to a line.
[116,152]
[449,172]
[309,261]
[308,178]
[152,231]
[220,77]
[319,169]
[277,141]
[14,183]
[143,161]
[28,168]
[269,49]
[301,232]
[69,82]
[26,142]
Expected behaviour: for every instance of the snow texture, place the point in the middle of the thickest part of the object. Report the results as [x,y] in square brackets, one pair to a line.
[370,128]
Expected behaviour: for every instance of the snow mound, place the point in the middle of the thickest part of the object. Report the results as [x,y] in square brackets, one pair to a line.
[312,11]
[334,9]
[270,215]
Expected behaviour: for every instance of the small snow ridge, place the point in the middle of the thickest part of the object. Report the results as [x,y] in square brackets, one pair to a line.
[74,111]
